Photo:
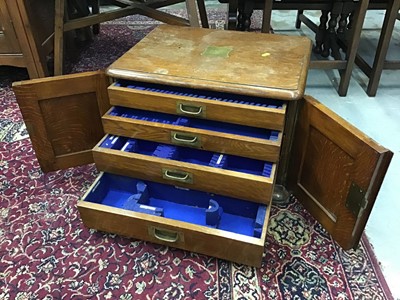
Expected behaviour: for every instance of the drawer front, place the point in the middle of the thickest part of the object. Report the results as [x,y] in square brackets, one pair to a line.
[211,241]
[229,182]
[266,149]
[245,110]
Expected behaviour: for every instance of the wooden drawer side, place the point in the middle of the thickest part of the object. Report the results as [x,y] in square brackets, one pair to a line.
[236,184]
[241,145]
[162,230]
[257,113]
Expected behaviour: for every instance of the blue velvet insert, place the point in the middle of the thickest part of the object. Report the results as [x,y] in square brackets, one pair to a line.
[201,94]
[176,203]
[144,115]
[190,155]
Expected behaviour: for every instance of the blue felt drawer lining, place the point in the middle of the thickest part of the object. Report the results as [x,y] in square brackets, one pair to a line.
[163,118]
[200,94]
[189,155]
[201,208]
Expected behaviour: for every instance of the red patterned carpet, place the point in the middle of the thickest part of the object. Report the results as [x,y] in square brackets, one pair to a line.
[47,253]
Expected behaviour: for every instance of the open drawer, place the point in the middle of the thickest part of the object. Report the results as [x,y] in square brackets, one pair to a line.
[224,174]
[238,109]
[214,225]
[257,143]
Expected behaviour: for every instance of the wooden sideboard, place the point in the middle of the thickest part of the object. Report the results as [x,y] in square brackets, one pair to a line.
[26,31]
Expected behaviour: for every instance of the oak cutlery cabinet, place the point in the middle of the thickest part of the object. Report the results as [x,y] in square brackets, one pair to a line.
[192,129]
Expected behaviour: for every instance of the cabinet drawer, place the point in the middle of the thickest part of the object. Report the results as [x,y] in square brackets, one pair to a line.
[219,226]
[238,109]
[224,174]
[257,143]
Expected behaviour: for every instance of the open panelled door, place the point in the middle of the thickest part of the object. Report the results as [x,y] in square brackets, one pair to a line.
[63,117]
[335,171]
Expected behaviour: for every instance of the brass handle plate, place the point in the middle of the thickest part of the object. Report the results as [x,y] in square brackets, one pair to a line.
[176,175]
[195,110]
[185,139]
[165,235]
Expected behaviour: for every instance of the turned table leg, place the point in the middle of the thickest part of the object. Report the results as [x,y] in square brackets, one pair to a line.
[245,9]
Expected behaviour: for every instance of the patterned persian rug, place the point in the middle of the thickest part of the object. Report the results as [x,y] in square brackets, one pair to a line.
[47,253]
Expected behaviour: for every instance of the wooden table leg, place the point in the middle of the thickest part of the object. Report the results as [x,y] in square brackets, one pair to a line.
[266,21]
[203,13]
[59,37]
[232,14]
[192,13]
[352,46]
[383,46]
[246,8]
[95,10]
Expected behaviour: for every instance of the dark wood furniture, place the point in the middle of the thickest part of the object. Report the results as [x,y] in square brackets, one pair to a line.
[26,28]
[257,81]
[380,63]
[334,33]
[86,17]
[339,29]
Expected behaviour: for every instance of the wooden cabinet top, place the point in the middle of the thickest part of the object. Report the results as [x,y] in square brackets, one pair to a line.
[250,63]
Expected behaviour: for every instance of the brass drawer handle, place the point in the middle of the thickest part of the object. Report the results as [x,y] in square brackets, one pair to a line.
[190,109]
[184,138]
[177,175]
[166,235]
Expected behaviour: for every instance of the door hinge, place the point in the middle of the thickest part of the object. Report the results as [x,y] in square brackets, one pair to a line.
[356,200]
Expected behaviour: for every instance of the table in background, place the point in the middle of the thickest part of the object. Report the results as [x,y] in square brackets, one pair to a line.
[26,28]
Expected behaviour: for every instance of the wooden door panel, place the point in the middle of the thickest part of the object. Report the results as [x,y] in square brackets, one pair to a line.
[63,117]
[335,171]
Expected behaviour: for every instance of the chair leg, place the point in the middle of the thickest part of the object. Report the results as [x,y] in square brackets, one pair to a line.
[266,21]
[81,9]
[233,14]
[192,13]
[298,22]
[95,10]
[203,13]
[353,47]
[59,37]
[383,46]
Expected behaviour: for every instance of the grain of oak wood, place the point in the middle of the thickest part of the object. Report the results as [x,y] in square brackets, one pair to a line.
[330,155]
[248,63]
[214,180]
[249,115]
[256,148]
[62,116]
[26,28]
[210,241]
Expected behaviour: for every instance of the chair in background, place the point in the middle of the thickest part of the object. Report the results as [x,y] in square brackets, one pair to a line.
[339,28]
[84,17]
[337,36]
[380,63]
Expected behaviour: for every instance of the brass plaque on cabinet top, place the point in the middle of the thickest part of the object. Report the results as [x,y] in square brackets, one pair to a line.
[265,65]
